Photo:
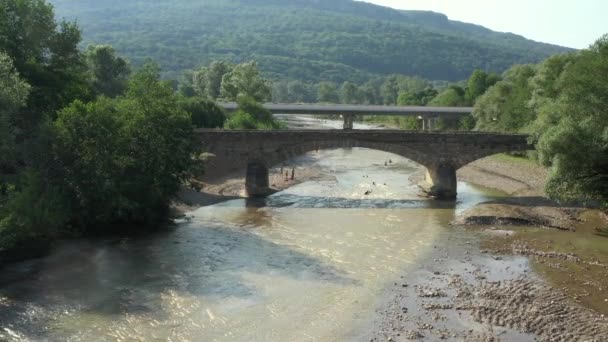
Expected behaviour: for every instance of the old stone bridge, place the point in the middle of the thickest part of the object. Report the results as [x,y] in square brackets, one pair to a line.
[442,153]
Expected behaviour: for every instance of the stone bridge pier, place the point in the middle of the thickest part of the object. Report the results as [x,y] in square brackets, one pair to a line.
[252,153]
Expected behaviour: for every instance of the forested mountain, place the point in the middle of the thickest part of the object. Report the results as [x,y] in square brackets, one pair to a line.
[307,40]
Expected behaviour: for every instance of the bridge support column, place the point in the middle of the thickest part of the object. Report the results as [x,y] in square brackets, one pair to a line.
[256,181]
[442,182]
[349,120]
[428,124]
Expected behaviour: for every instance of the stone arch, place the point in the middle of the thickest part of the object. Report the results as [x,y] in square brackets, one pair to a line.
[292,150]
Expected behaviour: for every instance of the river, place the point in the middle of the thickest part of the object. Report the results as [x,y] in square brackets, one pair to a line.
[311,263]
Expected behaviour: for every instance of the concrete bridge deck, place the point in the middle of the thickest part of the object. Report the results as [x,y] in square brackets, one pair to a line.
[253,152]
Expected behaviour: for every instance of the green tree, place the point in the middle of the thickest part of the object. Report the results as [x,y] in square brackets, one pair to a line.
[453,96]
[479,83]
[328,92]
[207,81]
[505,106]
[280,92]
[45,54]
[108,72]
[13,95]
[251,115]
[205,113]
[185,84]
[390,90]
[572,128]
[420,98]
[245,79]
[298,92]
[124,159]
[546,85]
[371,91]
[349,93]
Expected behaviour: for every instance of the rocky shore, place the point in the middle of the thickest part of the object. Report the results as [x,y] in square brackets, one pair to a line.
[532,271]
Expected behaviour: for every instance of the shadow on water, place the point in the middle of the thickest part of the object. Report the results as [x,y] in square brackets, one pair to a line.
[131,276]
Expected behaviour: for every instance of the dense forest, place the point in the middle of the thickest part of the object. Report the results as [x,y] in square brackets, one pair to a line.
[305,40]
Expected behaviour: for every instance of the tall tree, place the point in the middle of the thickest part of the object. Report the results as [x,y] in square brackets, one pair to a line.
[245,79]
[328,92]
[124,158]
[46,55]
[13,95]
[505,106]
[349,93]
[479,82]
[298,92]
[572,128]
[371,91]
[453,96]
[207,81]
[419,98]
[390,90]
[108,72]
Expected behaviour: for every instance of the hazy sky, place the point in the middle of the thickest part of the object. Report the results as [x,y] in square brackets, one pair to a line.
[572,23]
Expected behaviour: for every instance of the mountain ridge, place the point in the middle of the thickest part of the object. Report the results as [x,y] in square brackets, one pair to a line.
[309,40]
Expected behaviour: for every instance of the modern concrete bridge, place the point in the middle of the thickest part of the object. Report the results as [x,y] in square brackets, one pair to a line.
[442,153]
[348,112]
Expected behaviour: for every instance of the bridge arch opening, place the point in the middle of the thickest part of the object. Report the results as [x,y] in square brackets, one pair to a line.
[364,159]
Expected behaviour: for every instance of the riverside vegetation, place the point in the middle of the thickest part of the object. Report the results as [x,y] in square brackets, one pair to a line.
[89,145]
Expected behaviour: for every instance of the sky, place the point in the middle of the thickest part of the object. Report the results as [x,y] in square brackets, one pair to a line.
[571,23]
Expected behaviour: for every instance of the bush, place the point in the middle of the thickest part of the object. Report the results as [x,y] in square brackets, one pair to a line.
[204,113]
[241,120]
[252,115]
[34,211]
[125,158]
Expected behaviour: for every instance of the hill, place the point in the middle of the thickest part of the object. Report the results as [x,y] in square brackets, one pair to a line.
[309,40]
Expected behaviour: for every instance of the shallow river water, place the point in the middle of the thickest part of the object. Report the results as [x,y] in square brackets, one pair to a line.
[311,263]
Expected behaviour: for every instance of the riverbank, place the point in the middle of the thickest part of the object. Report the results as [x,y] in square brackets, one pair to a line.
[463,293]
[532,270]
[233,187]
[575,258]
[524,182]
